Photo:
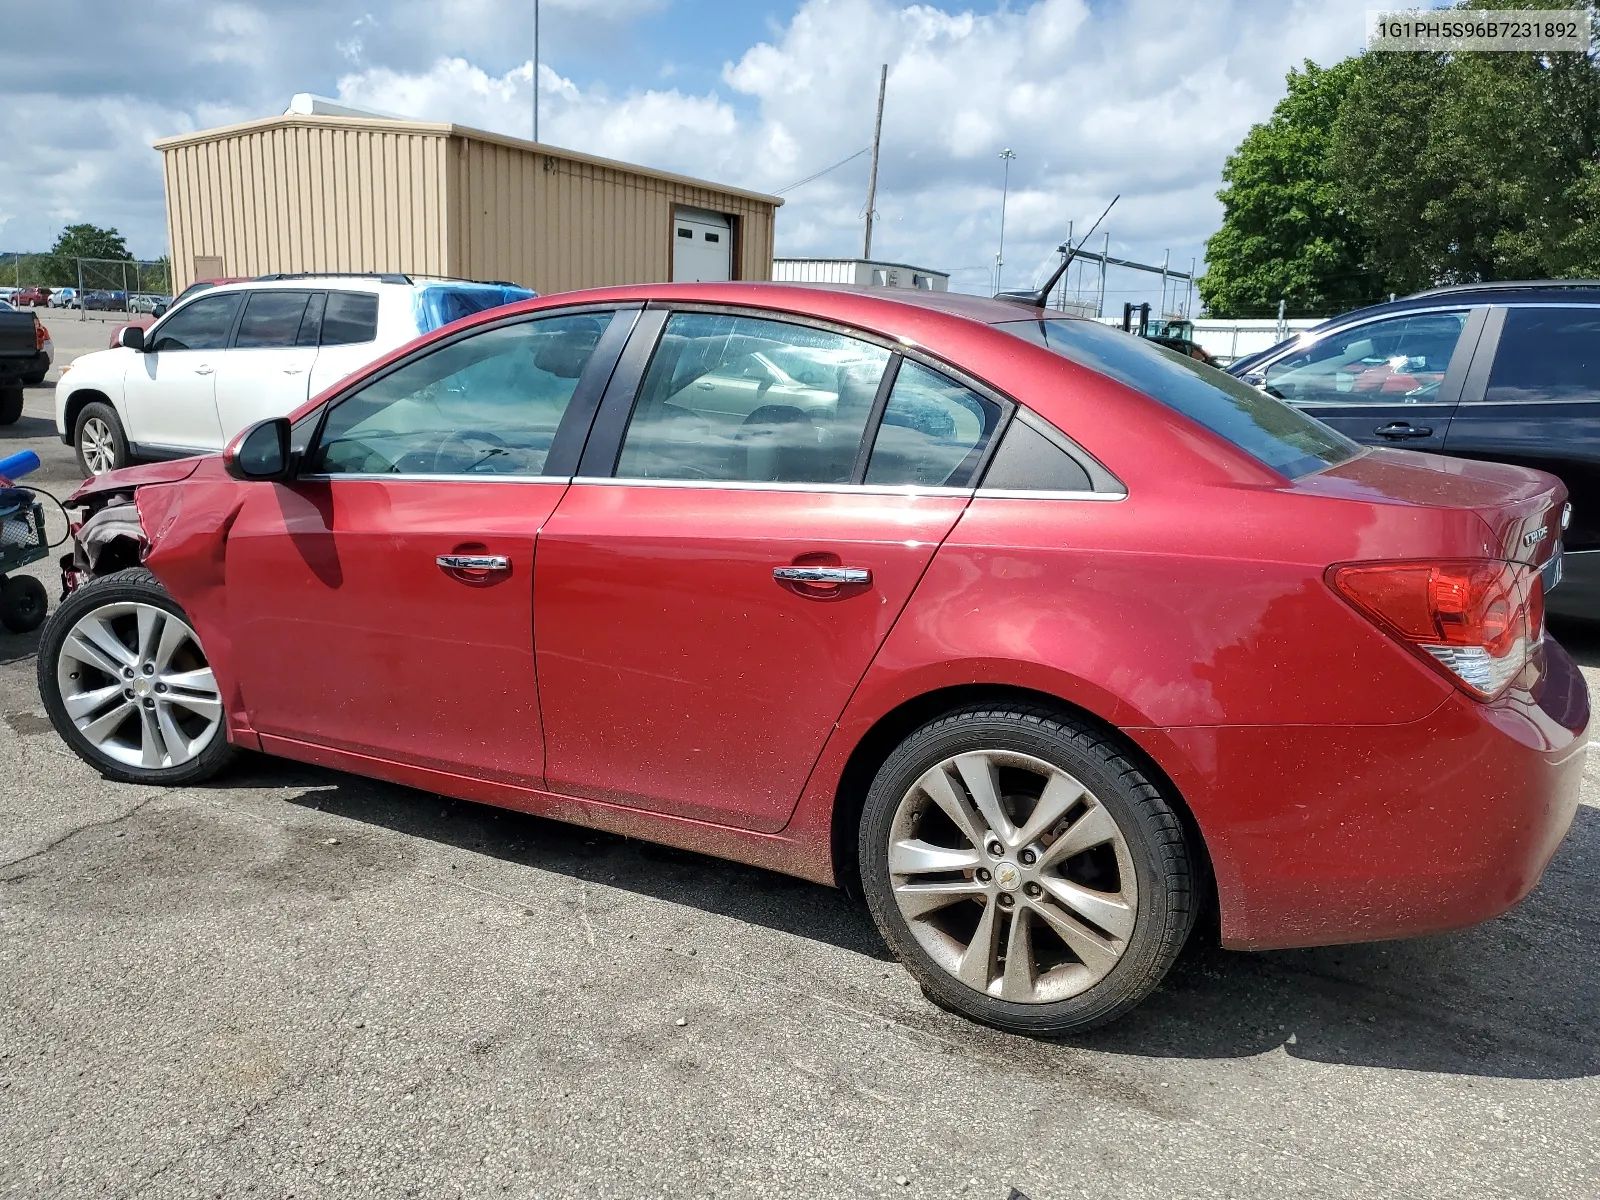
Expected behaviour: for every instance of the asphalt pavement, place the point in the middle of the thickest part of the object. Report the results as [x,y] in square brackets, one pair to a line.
[300,983]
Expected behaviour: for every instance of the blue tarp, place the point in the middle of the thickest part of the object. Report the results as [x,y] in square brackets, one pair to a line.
[440,303]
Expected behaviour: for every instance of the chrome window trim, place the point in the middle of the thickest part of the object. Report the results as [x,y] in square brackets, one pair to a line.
[862,489]
[411,477]
[1023,494]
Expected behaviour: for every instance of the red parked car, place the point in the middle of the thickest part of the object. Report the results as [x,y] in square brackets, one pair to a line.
[32,297]
[1044,637]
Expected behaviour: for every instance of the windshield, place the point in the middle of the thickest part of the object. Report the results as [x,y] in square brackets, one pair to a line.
[1283,438]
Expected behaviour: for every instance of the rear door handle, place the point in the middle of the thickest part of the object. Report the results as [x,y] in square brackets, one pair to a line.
[824,575]
[474,562]
[203,370]
[293,370]
[1403,429]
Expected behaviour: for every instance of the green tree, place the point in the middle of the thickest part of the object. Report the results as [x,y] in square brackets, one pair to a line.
[90,241]
[1285,234]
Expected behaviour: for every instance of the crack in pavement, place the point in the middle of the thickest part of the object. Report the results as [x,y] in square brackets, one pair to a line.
[84,828]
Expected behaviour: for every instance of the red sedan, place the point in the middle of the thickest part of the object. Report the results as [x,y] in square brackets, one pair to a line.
[1043,637]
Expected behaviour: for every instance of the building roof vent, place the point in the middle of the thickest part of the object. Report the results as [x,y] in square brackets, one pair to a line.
[309,104]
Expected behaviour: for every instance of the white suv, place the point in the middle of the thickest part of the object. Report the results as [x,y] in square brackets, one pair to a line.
[238,353]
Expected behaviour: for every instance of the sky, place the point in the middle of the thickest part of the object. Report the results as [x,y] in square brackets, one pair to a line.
[1142,98]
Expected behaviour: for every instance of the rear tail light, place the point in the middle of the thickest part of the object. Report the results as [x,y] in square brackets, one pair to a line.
[1478,621]
[40,334]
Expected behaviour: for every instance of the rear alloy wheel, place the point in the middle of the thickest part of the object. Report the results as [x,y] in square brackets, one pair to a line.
[101,444]
[1025,871]
[126,683]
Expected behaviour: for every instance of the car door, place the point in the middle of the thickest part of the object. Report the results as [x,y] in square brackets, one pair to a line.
[1390,381]
[170,391]
[267,370]
[348,337]
[381,603]
[712,588]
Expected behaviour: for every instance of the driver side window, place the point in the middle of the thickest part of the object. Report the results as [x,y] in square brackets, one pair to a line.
[488,404]
[1401,360]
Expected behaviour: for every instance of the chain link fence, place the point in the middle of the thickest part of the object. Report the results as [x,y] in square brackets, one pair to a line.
[91,284]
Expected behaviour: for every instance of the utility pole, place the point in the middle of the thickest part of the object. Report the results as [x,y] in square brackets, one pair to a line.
[872,179]
[1061,297]
[1000,257]
[1105,253]
[536,70]
[1188,295]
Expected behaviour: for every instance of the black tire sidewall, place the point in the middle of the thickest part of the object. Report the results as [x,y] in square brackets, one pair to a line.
[119,439]
[1165,880]
[10,405]
[135,585]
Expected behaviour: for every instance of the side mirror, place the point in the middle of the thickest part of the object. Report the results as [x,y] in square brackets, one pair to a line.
[131,338]
[260,452]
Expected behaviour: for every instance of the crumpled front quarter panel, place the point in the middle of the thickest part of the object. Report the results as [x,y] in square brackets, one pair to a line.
[187,524]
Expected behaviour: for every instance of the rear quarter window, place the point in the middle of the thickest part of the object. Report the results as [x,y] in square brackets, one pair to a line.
[1547,355]
[1288,441]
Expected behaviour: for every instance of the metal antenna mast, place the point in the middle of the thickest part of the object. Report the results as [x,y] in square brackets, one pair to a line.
[872,180]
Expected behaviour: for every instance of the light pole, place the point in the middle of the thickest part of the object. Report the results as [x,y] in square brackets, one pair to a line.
[536,70]
[1000,257]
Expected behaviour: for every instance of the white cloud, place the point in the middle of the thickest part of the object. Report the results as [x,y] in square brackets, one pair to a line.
[1145,98]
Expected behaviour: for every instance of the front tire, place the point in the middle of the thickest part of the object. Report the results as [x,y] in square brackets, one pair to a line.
[1025,871]
[99,439]
[126,683]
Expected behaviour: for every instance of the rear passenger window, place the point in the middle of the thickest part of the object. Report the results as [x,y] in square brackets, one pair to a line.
[271,320]
[934,431]
[1547,354]
[739,399]
[349,317]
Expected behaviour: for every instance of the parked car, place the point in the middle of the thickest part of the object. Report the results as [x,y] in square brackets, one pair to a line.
[31,297]
[1044,637]
[234,353]
[26,353]
[1508,372]
[105,301]
[148,302]
[65,298]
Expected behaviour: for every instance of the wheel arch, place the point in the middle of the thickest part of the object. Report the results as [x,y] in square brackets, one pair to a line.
[76,403]
[894,726]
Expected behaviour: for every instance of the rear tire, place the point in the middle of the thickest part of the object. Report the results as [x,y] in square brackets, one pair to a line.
[24,603]
[99,439]
[126,683]
[10,406]
[959,872]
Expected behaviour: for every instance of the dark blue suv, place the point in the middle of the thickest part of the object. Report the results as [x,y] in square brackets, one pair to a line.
[1501,371]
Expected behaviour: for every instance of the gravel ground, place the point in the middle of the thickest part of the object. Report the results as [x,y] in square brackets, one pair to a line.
[301,983]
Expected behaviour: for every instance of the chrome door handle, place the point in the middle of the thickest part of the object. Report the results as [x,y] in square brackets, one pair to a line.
[204,370]
[833,575]
[474,562]
[293,370]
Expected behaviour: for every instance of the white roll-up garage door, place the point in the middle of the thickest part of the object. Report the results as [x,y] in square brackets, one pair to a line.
[702,246]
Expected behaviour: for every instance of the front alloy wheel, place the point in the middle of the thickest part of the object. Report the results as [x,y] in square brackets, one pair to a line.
[98,446]
[1025,870]
[127,684]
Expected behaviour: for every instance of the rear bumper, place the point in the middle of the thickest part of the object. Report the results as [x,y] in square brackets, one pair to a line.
[14,368]
[1321,835]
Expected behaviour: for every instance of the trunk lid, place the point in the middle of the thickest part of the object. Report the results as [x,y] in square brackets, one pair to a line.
[1521,507]
[17,337]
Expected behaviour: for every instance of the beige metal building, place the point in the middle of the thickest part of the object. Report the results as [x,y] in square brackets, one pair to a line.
[336,193]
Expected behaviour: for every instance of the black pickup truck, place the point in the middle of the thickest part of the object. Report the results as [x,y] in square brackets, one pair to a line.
[1503,371]
[22,359]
